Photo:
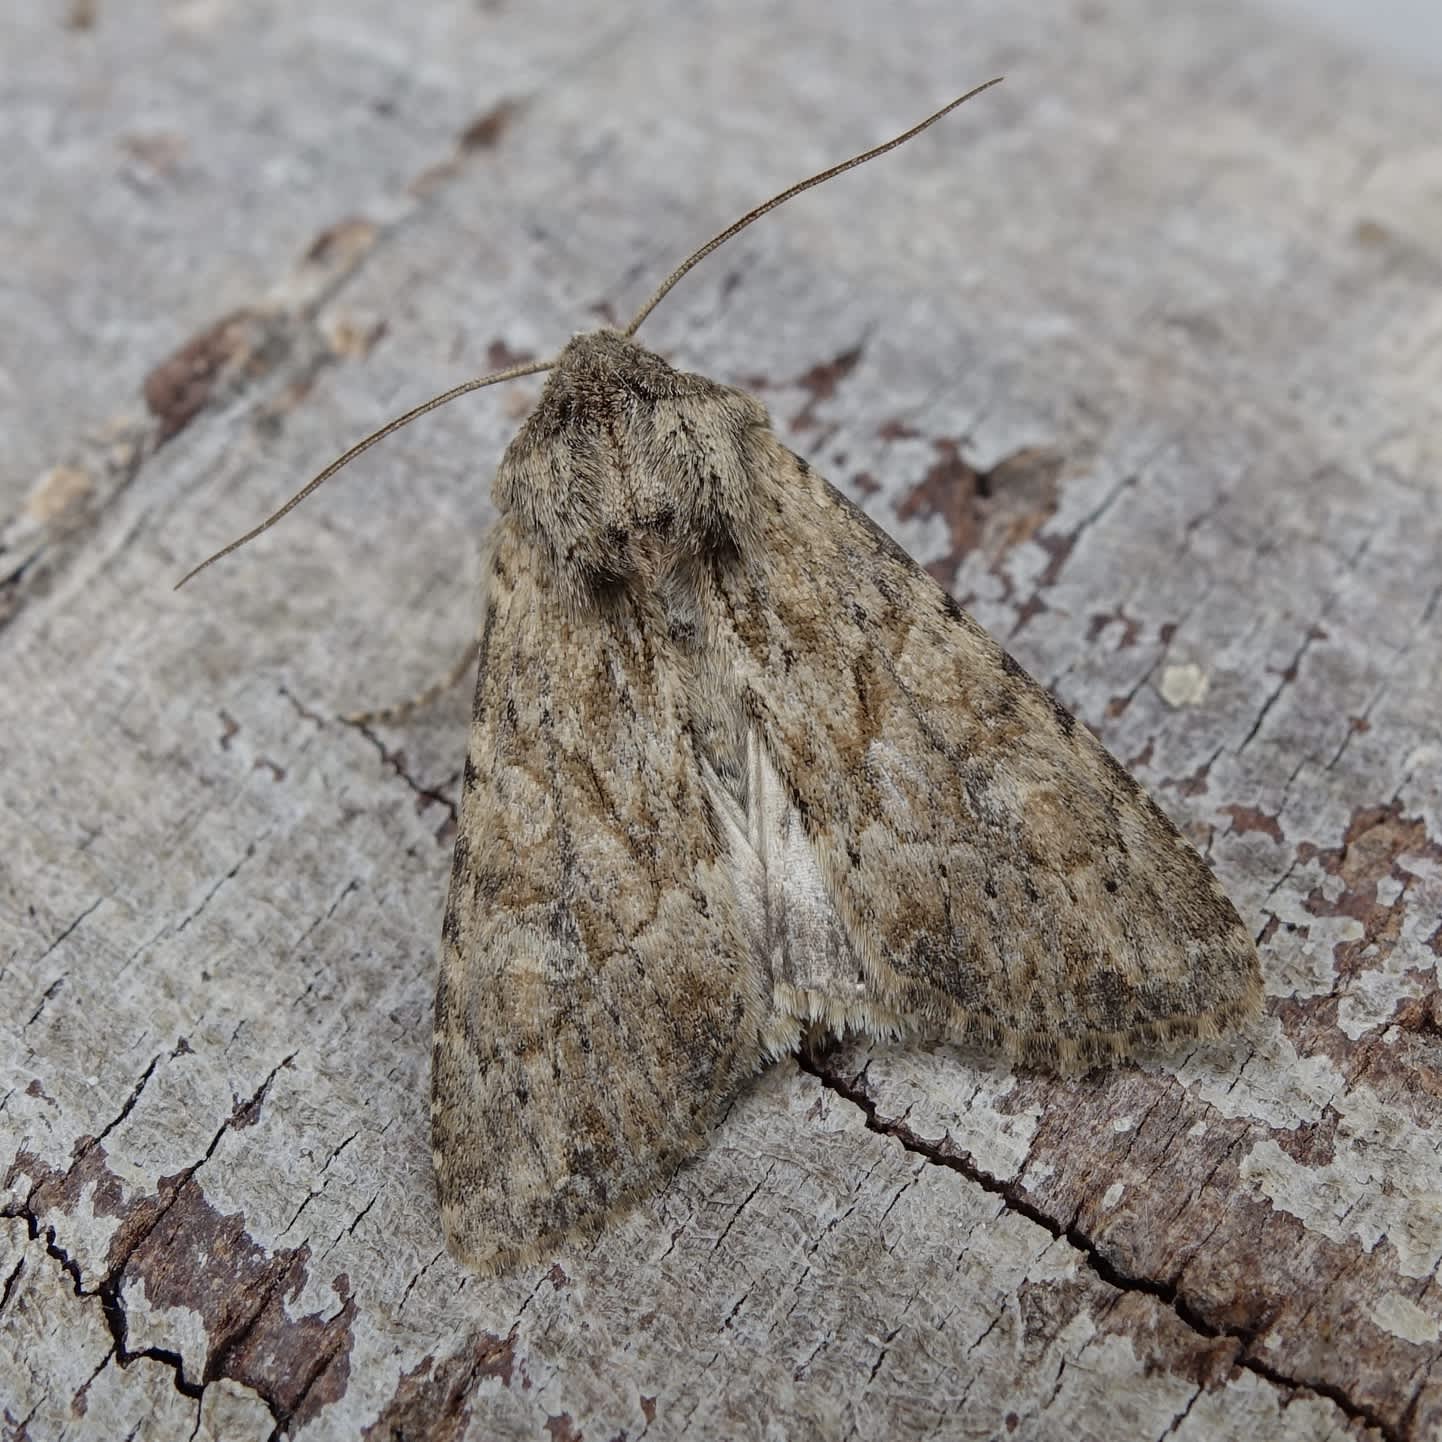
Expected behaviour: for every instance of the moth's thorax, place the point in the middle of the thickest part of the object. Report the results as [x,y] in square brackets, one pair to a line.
[628,466]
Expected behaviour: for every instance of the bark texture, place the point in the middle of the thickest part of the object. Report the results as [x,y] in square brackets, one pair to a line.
[1141,354]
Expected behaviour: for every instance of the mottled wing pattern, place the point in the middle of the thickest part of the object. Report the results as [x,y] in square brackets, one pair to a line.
[998,875]
[598,1001]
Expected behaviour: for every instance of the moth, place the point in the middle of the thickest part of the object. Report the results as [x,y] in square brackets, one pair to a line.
[740,771]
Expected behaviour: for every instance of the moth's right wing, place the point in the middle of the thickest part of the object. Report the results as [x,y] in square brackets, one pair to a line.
[598,1003]
[996,874]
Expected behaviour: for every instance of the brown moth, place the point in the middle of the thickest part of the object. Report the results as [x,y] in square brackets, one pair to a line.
[740,770]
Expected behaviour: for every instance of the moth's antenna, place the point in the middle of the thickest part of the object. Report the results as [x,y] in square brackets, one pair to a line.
[786,195]
[528,369]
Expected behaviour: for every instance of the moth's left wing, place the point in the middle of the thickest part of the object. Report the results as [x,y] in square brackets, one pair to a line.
[995,873]
[599,1004]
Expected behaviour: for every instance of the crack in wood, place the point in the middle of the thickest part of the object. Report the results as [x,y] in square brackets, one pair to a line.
[1012,1197]
[108,1290]
[1108,389]
[111,1306]
[427,795]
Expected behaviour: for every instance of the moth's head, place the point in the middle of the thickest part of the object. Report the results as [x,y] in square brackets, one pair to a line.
[628,466]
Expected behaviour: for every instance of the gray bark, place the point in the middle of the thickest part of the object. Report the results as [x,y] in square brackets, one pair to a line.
[1141,353]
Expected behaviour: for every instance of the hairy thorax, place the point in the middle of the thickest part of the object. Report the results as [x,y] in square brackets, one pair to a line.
[629,468]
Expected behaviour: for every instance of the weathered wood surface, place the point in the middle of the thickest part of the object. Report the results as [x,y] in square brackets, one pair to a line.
[1142,354]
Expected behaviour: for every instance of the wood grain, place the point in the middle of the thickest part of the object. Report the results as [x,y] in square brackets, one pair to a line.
[1141,353]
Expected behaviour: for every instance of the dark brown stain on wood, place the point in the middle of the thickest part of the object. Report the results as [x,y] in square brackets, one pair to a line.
[992,511]
[343,243]
[821,383]
[486,130]
[434,1399]
[1249,818]
[562,1428]
[185,1253]
[1101,620]
[1371,852]
[500,356]
[205,1260]
[180,387]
